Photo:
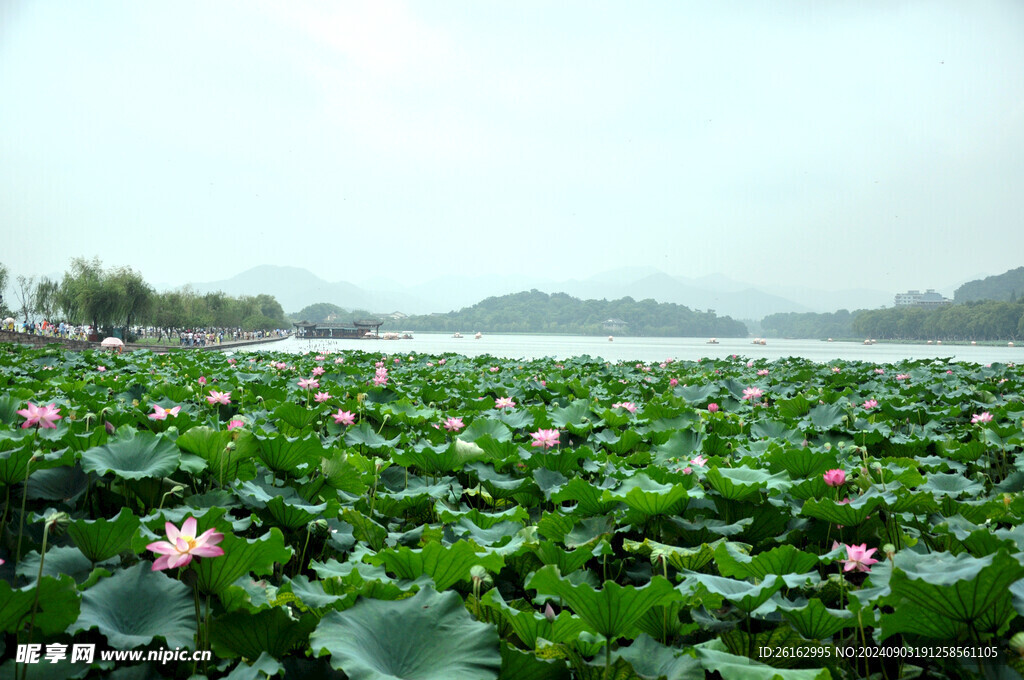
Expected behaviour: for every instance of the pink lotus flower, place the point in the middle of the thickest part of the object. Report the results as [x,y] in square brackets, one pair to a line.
[182,545]
[858,557]
[44,417]
[835,477]
[379,364]
[318,370]
[763,371]
[903,376]
[319,357]
[713,407]
[673,382]
[101,369]
[218,398]
[494,369]
[836,369]
[880,371]
[752,393]
[161,413]
[380,380]
[454,424]
[308,383]
[232,361]
[441,362]
[699,460]
[202,380]
[504,402]
[321,397]
[983,417]
[339,360]
[235,423]
[344,418]
[545,438]
[869,404]
[628,405]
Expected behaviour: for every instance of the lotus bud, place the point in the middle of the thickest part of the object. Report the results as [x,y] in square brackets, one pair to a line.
[109,426]
[841,445]
[318,528]
[1017,644]
[479,575]
[172,431]
[57,522]
[549,614]
[1007,499]
[890,551]
[828,446]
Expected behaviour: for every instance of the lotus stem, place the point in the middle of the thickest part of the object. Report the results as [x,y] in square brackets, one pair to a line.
[24,499]
[39,579]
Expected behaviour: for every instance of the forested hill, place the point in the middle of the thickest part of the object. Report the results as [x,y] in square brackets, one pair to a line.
[1008,286]
[537,312]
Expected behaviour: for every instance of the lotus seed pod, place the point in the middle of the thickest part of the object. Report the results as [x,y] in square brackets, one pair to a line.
[318,528]
[1017,644]
[890,550]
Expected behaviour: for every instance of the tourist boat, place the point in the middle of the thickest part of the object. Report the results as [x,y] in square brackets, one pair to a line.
[478,335]
[712,341]
[406,335]
[457,335]
[391,336]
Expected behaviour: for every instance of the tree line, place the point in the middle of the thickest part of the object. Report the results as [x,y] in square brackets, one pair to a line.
[988,320]
[118,297]
[538,312]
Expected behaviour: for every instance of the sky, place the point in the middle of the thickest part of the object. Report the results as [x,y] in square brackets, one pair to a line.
[874,144]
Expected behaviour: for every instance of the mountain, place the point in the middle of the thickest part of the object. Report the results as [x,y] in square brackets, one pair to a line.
[1006,286]
[296,288]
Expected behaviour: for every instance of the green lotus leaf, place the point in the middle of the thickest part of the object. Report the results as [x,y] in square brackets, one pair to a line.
[480,427]
[785,559]
[532,625]
[311,593]
[954,485]
[746,596]
[802,462]
[59,605]
[290,455]
[590,498]
[364,528]
[241,556]
[957,592]
[777,431]
[429,636]
[826,416]
[141,456]
[341,474]
[500,485]
[136,605]
[225,463]
[680,558]
[294,417]
[850,514]
[363,435]
[446,565]
[101,539]
[611,611]
[696,394]
[515,663]
[639,492]
[59,560]
[564,462]
[484,520]
[59,484]
[815,621]
[567,561]
[651,659]
[14,464]
[573,414]
[742,483]
[249,634]
[263,667]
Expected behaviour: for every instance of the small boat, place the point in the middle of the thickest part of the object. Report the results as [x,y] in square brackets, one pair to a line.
[457,335]
[406,335]
[712,341]
[610,338]
[478,335]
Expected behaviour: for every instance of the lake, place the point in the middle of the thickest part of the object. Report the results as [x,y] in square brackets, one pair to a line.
[526,346]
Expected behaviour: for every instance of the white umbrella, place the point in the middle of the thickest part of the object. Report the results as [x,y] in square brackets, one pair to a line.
[112,342]
[9,319]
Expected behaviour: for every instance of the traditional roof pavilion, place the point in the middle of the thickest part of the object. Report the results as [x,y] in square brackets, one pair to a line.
[359,328]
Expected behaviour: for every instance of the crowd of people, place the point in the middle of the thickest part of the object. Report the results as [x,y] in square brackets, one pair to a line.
[185,337]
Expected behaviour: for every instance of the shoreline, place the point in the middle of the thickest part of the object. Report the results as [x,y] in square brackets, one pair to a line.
[82,345]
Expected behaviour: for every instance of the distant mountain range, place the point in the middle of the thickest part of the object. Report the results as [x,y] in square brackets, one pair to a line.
[296,288]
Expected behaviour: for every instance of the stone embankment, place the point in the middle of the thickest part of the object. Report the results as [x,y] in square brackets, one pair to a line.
[79,345]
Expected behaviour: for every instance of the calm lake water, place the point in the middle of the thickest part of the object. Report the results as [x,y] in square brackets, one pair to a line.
[654,349]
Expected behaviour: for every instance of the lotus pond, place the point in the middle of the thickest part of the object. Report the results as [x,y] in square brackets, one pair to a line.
[452,518]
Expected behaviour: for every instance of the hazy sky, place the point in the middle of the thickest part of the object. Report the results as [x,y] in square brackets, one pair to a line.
[869,143]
